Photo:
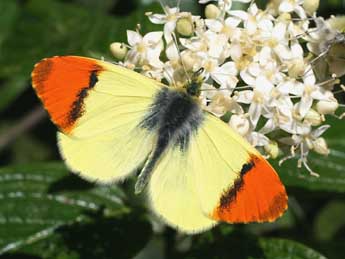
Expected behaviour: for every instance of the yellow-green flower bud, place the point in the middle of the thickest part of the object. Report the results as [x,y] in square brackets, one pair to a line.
[272,149]
[296,68]
[285,17]
[313,117]
[212,11]
[310,6]
[119,50]
[327,106]
[184,27]
[320,146]
[189,59]
[337,23]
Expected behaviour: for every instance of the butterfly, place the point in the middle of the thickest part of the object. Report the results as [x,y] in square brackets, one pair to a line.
[114,122]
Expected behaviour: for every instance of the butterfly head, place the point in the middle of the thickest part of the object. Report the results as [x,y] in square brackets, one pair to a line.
[194,84]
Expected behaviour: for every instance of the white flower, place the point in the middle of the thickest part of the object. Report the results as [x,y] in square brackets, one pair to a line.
[225,75]
[228,27]
[263,65]
[257,139]
[258,98]
[305,143]
[295,125]
[224,4]
[288,6]
[276,38]
[145,49]
[308,91]
[255,66]
[208,45]
[254,19]
[169,20]
[240,124]
[220,104]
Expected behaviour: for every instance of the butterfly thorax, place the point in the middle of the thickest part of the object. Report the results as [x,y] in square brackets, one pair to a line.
[174,115]
[193,85]
[193,88]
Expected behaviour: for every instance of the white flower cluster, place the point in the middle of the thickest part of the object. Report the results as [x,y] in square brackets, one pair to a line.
[257,73]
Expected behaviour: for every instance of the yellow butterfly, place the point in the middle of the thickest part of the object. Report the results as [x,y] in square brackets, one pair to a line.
[114,121]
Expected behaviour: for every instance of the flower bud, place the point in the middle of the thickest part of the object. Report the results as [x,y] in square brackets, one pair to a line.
[212,11]
[337,23]
[184,27]
[119,50]
[327,106]
[296,68]
[240,124]
[189,59]
[272,149]
[313,118]
[285,17]
[310,6]
[320,146]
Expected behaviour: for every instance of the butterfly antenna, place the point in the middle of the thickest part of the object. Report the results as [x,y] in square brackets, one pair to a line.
[163,7]
[178,5]
[179,54]
[171,78]
[314,60]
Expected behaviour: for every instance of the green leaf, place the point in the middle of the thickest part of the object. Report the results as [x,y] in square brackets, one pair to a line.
[8,15]
[330,220]
[47,28]
[35,200]
[241,245]
[11,89]
[331,168]
[274,248]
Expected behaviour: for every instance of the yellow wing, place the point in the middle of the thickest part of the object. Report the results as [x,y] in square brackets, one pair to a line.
[98,107]
[220,177]
[173,193]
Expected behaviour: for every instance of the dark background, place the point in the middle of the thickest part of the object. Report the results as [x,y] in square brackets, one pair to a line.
[45,212]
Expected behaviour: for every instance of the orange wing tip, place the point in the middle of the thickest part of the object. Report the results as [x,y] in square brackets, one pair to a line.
[257,196]
[62,83]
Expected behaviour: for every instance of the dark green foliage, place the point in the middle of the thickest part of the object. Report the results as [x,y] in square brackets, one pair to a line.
[46,212]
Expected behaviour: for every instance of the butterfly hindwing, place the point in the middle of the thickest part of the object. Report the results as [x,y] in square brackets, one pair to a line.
[254,193]
[218,177]
[98,107]
[173,195]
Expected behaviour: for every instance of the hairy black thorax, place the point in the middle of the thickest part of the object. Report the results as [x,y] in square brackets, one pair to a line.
[175,115]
